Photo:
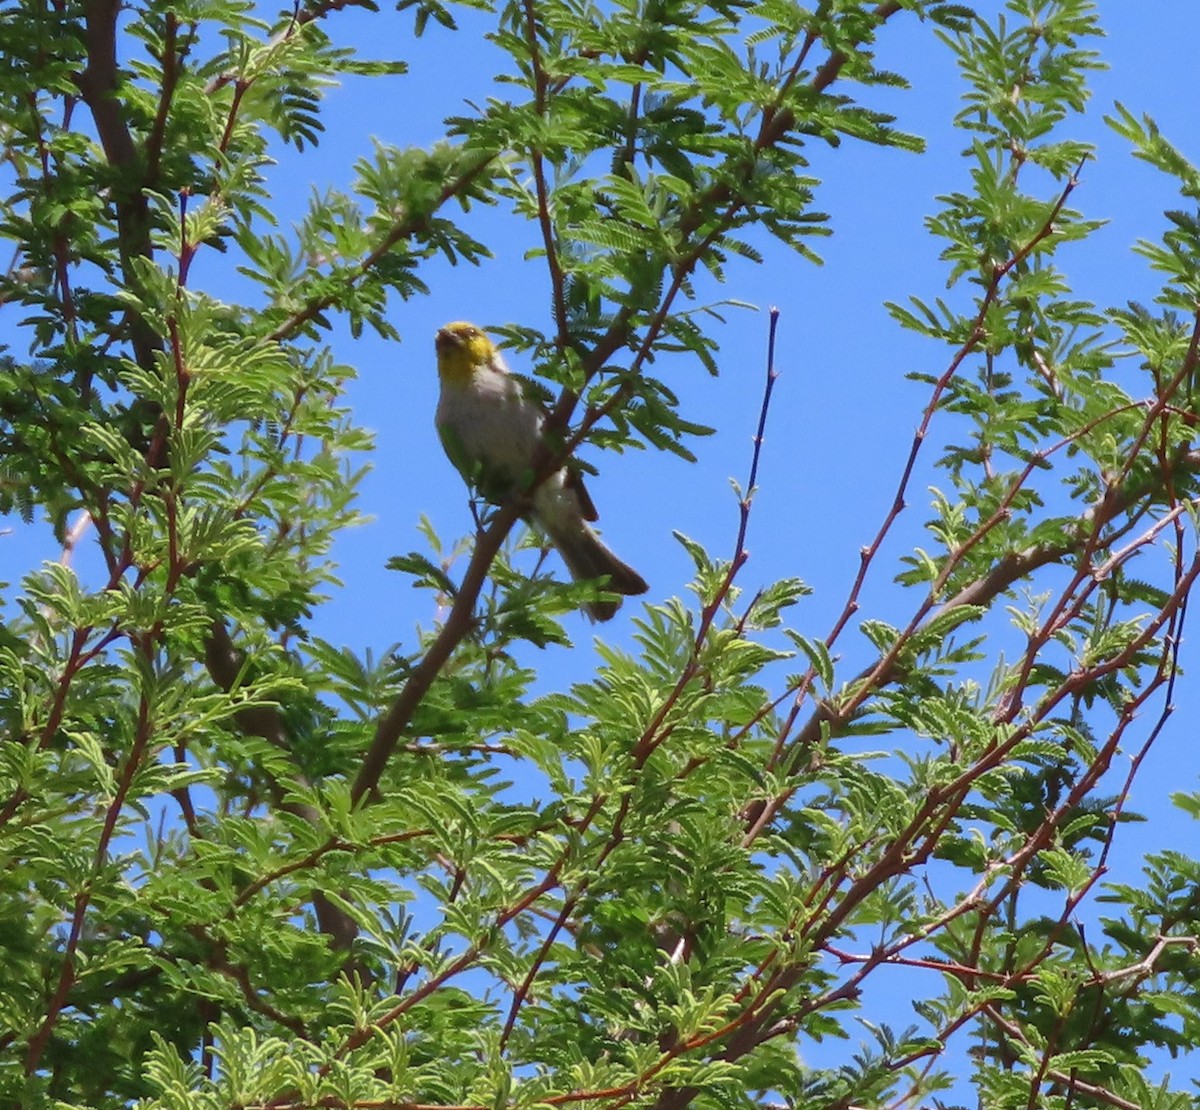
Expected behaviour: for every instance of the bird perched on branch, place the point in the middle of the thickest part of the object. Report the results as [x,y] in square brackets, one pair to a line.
[490,428]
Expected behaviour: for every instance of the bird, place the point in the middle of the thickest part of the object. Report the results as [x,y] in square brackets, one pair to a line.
[490,428]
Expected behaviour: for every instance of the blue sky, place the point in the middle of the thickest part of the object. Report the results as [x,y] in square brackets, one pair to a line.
[843,413]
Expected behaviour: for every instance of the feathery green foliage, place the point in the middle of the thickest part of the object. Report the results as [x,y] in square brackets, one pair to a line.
[242,867]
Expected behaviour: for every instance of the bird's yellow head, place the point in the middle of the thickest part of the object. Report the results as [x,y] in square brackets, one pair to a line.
[462,349]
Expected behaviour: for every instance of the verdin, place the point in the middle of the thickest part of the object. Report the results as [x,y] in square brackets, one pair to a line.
[490,430]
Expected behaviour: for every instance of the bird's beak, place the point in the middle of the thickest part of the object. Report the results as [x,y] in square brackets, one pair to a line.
[446,338]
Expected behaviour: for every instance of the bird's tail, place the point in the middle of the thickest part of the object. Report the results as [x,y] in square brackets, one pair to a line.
[587,557]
